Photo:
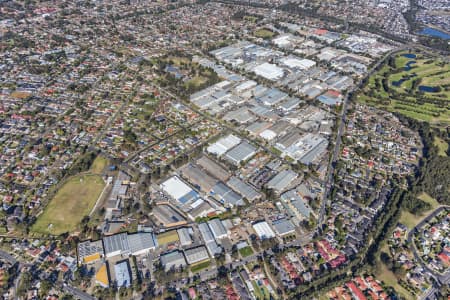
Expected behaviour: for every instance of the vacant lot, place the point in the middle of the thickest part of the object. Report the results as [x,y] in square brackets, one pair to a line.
[196,82]
[167,237]
[388,277]
[411,220]
[98,165]
[72,202]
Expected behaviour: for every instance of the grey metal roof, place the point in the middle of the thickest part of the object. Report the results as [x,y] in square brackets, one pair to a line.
[241,152]
[206,233]
[221,189]
[315,152]
[198,177]
[117,242]
[167,215]
[175,258]
[196,254]
[257,127]
[213,168]
[217,228]
[141,241]
[290,103]
[283,226]
[227,195]
[241,115]
[297,202]
[89,248]
[233,198]
[289,139]
[282,180]
[185,237]
[213,248]
[243,188]
[272,96]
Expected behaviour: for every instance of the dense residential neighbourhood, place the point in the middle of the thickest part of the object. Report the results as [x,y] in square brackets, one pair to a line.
[224,150]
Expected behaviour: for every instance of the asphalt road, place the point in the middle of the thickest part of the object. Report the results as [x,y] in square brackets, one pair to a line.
[78,294]
[8,257]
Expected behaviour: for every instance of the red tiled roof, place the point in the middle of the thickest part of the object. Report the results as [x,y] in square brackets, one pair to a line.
[356,291]
[320,31]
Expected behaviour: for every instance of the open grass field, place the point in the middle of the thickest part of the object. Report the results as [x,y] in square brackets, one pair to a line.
[196,82]
[98,165]
[417,86]
[72,202]
[167,237]
[389,279]
[200,266]
[408,219]
[442,146]
[264,33]
[178,60]
[411,220]
[430,200]
[246,251]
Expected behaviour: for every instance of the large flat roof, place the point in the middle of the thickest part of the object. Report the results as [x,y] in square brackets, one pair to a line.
[198,177]
[282,180]
[224,144]
[283,226]
[142,241]
[123,273]
[176,188]
[206,233]
[243,188]
[217,228]
[195,255]
[241,152]
[175,258]
[269,71]
[213,168]
[115,243]
[263,230]
[167,215]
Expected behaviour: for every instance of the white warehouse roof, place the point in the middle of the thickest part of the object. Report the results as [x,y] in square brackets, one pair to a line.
[293,62]
[263,230]
[224,144]
[269,71]
[175,187]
